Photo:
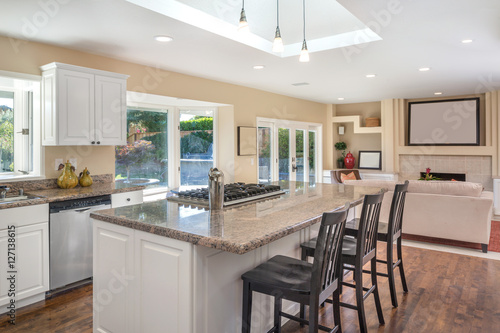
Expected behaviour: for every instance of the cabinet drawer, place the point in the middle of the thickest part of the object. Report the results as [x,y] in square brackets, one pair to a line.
[126,199]
[22,216]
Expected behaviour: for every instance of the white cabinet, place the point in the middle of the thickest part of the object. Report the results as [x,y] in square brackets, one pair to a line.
[31,254]
[126,199]
[141,281]
[83,106]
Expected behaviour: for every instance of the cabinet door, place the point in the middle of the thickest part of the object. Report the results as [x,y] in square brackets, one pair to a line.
[163,271]
[31,261]
[114,278]
[75,102]
[111,110]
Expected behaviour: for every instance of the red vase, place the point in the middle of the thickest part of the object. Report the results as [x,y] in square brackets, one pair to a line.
[349,161]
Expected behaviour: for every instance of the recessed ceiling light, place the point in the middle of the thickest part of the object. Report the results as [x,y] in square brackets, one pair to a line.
[340,98]
[424,69]
[163,38]
[467,41]
[258,67]
[371,75]
[438,93]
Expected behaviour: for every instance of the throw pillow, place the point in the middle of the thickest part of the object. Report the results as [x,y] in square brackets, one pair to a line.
[349,176]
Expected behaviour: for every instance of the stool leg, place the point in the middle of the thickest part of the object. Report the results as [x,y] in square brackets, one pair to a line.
[359,299]
[277,317]
[336,309]
[247,308]
[390,274]
[375,291]
[313,317]
[401,269]
[302,313]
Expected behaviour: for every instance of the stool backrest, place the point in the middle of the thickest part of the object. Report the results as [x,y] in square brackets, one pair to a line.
[397,208]
[368,225]
[328,252]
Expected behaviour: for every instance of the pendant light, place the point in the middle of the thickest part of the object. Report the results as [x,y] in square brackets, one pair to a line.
[304,54]
[278,42]
[243,26]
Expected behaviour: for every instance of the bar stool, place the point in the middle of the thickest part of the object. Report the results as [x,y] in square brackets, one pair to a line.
[390,232]
[299,281]
[358,252]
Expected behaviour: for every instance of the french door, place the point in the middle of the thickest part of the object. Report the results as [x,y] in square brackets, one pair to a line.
[289,150]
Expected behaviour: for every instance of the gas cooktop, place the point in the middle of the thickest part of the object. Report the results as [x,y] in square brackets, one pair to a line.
[234,194]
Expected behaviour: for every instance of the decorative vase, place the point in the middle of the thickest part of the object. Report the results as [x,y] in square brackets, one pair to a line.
[349,161]
[340,164]
[68,178]
[85,179]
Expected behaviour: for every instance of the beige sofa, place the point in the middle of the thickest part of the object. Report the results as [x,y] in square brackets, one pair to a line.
[444,209]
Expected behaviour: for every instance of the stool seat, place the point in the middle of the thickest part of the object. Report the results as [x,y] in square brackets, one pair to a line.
[282,272]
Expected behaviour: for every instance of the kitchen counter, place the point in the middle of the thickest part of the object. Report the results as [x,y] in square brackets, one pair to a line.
[163,264]
[59,194]
[239,229]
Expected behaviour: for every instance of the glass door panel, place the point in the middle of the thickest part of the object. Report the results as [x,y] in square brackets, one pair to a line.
[265,144]
[284,153]
[299,156]
[312,156]
[196,141]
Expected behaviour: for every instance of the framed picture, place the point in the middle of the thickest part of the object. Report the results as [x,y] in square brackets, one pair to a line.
[247,141]
[370,160]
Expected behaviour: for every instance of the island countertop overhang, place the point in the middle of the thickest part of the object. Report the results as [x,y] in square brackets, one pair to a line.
[239,229]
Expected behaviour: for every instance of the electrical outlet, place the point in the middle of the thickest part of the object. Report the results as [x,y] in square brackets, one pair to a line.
[58,162]
[251,161]
[73,162]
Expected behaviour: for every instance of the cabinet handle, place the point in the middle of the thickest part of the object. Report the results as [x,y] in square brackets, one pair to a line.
[93,142]
[128,199]
[98,142]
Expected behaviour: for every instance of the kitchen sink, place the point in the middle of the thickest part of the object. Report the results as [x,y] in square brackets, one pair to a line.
[18,198]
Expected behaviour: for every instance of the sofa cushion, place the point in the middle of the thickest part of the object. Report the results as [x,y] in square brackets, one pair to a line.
[349,176]
[466,189]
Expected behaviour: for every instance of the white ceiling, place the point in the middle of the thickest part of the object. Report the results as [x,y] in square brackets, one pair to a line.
[411,33]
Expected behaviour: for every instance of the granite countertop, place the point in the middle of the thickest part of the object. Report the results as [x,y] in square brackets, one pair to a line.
[58,194]
[239,229]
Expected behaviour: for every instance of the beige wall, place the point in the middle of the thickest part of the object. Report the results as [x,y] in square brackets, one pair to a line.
[27,57]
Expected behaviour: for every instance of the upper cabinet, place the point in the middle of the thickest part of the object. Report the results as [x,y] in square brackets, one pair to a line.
[83,106]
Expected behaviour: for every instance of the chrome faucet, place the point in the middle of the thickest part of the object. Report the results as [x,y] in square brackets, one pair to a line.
[3,191]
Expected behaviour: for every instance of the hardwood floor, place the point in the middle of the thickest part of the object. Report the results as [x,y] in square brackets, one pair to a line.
[448,293]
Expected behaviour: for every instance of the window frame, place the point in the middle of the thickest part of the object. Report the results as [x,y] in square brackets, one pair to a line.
[173,135]
[22,86]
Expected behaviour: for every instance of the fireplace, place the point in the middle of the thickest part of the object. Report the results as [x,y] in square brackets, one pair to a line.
[447,176]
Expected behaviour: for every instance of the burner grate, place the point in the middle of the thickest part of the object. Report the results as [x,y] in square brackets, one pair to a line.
[234,193]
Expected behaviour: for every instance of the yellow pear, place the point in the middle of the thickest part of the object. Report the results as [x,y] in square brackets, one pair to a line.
[85,179]
[68,178]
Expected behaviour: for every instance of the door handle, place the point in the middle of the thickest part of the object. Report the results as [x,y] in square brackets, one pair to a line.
[294,167]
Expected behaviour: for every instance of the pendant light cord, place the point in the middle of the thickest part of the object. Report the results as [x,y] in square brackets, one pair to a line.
[304,16]
[277,13]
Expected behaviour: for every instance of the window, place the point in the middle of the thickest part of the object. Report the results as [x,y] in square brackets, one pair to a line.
[19,139]
[144,160]
[167,147]
[197,146]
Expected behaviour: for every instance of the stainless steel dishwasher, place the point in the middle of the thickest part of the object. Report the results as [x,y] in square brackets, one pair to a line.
[70,237]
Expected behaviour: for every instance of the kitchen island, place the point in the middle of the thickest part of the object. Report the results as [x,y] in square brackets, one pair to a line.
[166,267]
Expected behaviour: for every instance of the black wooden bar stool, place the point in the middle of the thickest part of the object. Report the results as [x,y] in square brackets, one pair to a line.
[356,252]
[299,281]
[391,232]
